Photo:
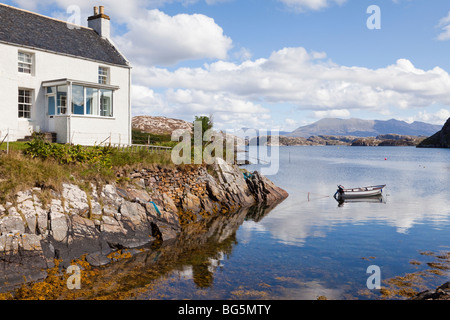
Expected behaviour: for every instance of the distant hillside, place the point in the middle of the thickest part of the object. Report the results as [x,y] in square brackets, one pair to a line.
[364,128]
[159,125]
[162,126]
[440,139]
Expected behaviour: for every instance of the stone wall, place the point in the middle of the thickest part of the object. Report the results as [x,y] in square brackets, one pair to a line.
[153,205]
[174,182]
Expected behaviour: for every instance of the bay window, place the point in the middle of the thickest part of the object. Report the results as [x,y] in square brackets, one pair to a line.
[82,99]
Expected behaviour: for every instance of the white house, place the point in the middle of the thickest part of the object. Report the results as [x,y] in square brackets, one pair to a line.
[62,78]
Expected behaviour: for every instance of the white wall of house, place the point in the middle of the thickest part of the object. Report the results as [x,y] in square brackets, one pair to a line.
[47,66]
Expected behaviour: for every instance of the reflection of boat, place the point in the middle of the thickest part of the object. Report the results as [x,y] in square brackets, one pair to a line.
[374,199]
[356,193]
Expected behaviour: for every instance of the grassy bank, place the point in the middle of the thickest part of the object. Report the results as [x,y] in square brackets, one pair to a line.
[143,138]
[47,166]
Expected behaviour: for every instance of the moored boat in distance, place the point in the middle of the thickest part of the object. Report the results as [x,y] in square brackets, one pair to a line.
[362,192]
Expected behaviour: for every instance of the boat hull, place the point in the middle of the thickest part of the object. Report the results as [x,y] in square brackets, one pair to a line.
[356,193]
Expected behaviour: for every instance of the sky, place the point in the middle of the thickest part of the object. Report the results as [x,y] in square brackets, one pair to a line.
[279,64]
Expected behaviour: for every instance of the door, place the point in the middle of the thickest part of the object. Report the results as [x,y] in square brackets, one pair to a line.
[51,111]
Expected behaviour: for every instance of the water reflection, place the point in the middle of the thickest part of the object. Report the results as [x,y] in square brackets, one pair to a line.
[417,191]
[195,254]
[296,220]
[309,245]
[376,199]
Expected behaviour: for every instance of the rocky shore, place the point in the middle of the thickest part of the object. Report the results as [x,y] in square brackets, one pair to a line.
[440,139]
[93,221]
[441,293]
[327,140]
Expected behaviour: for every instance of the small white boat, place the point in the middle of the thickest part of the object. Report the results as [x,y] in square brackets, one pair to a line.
[364,192]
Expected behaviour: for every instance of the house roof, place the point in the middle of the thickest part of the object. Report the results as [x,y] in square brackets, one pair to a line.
[32,30]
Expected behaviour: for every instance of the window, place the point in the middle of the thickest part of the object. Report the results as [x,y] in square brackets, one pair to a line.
[103,75]
[106,103]
[84,100]
[92,101]
[25,62]
[77,99]
[25,104]
[61,98]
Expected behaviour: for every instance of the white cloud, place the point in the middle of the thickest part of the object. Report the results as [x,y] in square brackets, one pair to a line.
[335,113]
[439,117]
[294,76]
[229,112]
[444,21]
[245,91]
[160,39]
[243,54]
[444,24]
[118,10]
[152,37]
[113,8]
[242,92]
[146,101]
[304,5]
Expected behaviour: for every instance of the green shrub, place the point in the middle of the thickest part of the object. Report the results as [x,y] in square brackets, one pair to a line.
[69,154]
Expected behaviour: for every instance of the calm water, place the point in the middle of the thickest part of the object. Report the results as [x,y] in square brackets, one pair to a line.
[304,248]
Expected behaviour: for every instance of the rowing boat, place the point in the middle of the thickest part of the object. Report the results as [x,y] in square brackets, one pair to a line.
[363,192]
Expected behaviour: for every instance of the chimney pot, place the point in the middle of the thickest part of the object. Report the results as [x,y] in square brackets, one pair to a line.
[100,22]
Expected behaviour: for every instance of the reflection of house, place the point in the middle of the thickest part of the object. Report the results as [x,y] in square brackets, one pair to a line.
[63,78]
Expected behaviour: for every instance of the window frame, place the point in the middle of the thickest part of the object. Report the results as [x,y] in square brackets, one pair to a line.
[93,102]
[25,66]
[103,75]
[22,104]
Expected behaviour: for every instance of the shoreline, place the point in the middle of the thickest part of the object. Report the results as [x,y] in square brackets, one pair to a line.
[139,180]
[154,206]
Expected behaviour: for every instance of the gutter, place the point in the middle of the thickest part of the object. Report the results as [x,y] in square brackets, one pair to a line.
[69,55]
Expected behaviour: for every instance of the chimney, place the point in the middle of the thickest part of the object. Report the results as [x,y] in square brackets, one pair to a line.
[100,22]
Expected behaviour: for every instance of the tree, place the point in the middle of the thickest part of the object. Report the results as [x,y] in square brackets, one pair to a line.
[206,122]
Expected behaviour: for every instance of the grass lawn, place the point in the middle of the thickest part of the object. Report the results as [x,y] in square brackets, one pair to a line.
[14,146]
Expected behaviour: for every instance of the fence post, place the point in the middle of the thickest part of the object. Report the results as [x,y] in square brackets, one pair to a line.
[7,143]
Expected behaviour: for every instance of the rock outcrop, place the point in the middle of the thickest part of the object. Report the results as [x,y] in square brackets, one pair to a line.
[93,222]
[160,125]
[441,293]
[440,139]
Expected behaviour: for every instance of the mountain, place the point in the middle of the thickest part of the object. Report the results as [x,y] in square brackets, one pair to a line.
[440,139]
[364,128]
